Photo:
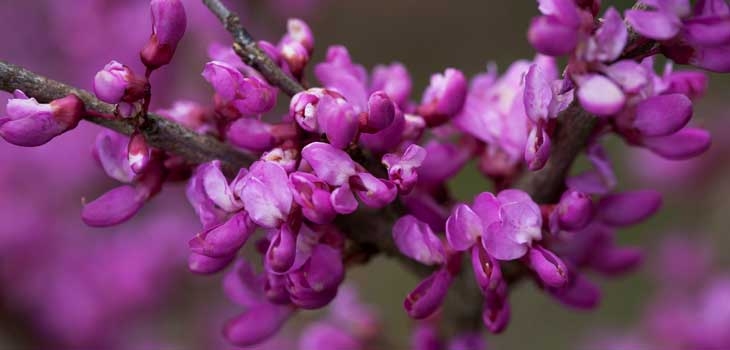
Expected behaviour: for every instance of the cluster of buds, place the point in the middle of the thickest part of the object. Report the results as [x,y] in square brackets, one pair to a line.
[356,142]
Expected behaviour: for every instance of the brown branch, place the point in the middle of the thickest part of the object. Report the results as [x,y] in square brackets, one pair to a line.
[158,131]
[250,52]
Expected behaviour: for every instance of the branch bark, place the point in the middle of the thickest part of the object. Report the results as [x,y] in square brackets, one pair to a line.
[250,52]
[158,131]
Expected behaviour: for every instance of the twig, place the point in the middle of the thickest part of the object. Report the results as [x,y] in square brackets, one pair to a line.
[158,131]
[250,52]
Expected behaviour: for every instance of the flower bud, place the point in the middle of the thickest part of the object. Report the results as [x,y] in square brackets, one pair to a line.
[117,83]
[428,295]
[372,191]
[282,250]
[444,97]
[295,55]
[573,212]
[31,124]
[496,312]
[250,96]
[299,32]
[537,149]
[381,113]
[486,268]
[303,108]
[138,152]
[337,118]
[628,208]
[313,195]
[168,26]
[223,240]
[416,240]
[402,168]
[395,81]
[549,36]
[684,144]
[548,266]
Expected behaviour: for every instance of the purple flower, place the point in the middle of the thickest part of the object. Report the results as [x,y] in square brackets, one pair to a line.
[548,267]
[313,195]
[372,191]
[31,124]
[340,74]
[250,96]
[496,310]
[205,265]
[416,240]
[223,240]
[600,95]
[315,284]
[444,97]
[573,212]
[332,165]
[265,194]
[537,149]
[168,27]
[699,35]
[120,204]
[338,119]
[507,224]
[380,115]
[428,296]
[118,83]
[402,169]
[139,153]
[556,32]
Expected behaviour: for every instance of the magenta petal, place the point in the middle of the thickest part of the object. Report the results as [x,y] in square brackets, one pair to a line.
[282,251]
[324,270]
[223,240]
[381,112]
[205,265]
[565,10]
[373,192]
[463,228]
[496,312]
[716,59]
[114,207]
[266,194]
[573,212]
[610,38]
[549,36]
[653,24]
[343,200]
[548,266]
[428,296]
[599,95]
[338,119]
[663,115]
[684,144]
[613,261]
[415,240]
[628,208]
[256,324]
[629,74]
[216,187]
[32,131]
[498,242]
[394,80]
[334,166]
[537,149]
[486,270]
[707,31]
[486,205]
[538,94]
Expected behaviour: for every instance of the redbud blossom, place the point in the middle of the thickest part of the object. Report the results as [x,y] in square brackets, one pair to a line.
[30,124]
[118,83]
[168,27]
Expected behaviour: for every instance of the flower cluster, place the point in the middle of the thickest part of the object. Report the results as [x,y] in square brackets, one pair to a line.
[357,143]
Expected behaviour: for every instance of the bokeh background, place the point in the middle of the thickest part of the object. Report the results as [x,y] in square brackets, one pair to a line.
[60,281]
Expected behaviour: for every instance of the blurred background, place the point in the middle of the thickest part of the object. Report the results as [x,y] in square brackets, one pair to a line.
[61,282]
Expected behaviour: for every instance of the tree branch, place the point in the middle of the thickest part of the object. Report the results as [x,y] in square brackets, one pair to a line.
[250,52]
[158,131]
